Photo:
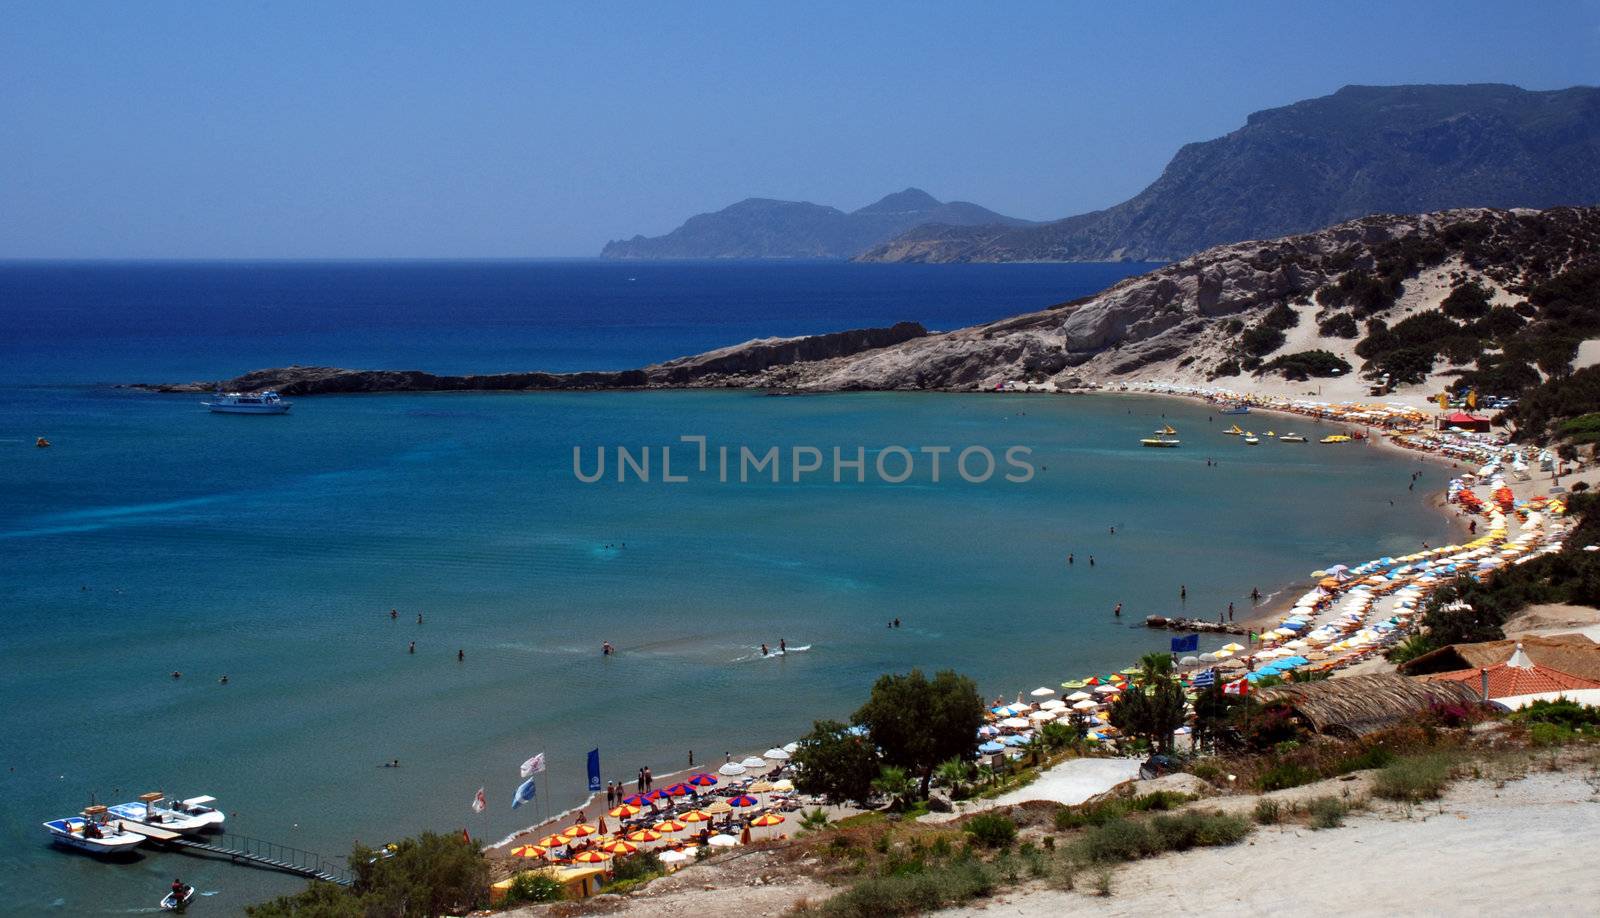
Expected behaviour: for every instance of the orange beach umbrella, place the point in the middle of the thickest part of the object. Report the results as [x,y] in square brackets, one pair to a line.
[579,831]
[770,819]
[619,847]
[554,841]
[591,857]
[696,816]
[668,825]
[624,811]
[529,851]
[644,835]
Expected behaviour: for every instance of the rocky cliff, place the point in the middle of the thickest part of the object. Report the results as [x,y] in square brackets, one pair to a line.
[1362,150]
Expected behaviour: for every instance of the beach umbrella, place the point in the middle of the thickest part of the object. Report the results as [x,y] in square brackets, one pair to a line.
[656,794]
[1015,723]
[1233,648]
[674,857]
[722,841]
[769,819]
[679,790]
[619,847]
[624,811]
[743,800]
[991,748]
[760,787]
[580,830]
[637,800]
[775,753]
[732,768]
[1042,692]
[668,826]
[1074,684]
[1106,690]
[790,747]
[702,779]
[718,808]
[783,785]
[1079,696]
[644,836]
[754,761]
[591,857]
[695,816]
[1042,716]
[529,851]
[1085,706]
[554,841]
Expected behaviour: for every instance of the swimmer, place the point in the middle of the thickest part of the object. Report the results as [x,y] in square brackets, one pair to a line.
[413,647]
[783,646]
[764,650]
[223,680]
[1117,611]
[461,655]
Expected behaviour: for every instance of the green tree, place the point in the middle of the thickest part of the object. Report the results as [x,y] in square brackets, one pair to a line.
[951,773]
[1154,707]
[896,784]
[426,876]
[319,900]
[917,723]
[835,763]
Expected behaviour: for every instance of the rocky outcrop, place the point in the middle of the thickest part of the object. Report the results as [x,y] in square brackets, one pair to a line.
[712,368]
[1362,150]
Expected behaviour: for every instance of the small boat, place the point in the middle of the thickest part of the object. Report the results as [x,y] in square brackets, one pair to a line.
[201,806]
[1291,438]
[1167,430]
[150,811]
[92,833]
[1270,434]
[1234,408]
[1159,442]
[1234,431]
[1251,439]
[41,443]
[267,402]
[172,903]
[1336,438]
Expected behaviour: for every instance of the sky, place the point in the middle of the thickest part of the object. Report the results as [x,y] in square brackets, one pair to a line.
[447,130]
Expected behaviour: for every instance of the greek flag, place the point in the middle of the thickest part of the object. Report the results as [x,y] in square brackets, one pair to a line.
[525,792]
[1204,678]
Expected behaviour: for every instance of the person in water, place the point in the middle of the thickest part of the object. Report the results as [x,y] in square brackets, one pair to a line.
[897,622]
[1183,592]
[764,650]
[606,649]
[394,614]
[224,679]
[413,647]
[461,655]
[783,646]
[178,889]
[1117,611]
[419,618]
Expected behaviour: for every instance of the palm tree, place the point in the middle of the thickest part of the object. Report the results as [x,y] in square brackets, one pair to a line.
[951,773]
[814,820]
[986,774]
[896,784]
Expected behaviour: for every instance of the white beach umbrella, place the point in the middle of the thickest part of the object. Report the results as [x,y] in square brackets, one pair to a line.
[790,747]
[1085,706]
[1042,692]
[1014,723]
[775,753]
[1080,696]
[722,841]
[674,857]
[731,768]
[1042,716]
[1054,704]
[754,761]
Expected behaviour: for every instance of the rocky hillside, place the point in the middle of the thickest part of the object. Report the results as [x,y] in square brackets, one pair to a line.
[763,228]
[1362,150]
[1500,299]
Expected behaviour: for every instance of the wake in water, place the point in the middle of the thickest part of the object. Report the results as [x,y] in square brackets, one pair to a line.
[771,654]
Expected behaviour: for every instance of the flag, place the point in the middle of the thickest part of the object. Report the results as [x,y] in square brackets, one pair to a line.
[466,836]
[1444,400]
[479,801]
[525,793]
[1252,638]
[533,765]
[1205,678]
[1242,687]
[594,769]
[1181,644]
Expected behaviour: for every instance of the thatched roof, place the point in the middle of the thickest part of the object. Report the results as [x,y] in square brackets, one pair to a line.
[1569,653]
[1358,705]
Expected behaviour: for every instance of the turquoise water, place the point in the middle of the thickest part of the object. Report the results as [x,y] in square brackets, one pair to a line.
[156,537]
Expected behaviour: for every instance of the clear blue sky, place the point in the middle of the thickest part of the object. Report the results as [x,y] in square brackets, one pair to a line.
[391,129]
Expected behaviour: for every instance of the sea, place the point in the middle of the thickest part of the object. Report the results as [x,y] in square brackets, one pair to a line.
[155,538]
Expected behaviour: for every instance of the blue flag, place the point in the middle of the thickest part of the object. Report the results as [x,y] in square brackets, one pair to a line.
[1182,644]
[1204,679]
[525,793]
[594,769]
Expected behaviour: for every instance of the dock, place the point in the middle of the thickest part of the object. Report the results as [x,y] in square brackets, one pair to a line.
[257,853]
[154,833]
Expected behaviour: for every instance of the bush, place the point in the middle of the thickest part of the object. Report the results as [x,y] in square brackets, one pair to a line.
[1261,340]
[992,830]
[1369,758]
[1327,812]
[1268,811]
[636,866]
[1129,840]
[1285,775]
[1415,778]
[926,889]
[1117,840]
[1563,711]
[1281,317]
[534,887]
[1198,830]
[1468,301]
[1339,325]
[1306,364]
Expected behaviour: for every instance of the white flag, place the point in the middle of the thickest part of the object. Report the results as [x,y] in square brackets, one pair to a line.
[479,801]
[533,765]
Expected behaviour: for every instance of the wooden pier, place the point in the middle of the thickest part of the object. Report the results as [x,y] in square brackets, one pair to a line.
[257,853]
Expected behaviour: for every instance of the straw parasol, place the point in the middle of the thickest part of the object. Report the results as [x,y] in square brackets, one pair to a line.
[760,787]
[718,808]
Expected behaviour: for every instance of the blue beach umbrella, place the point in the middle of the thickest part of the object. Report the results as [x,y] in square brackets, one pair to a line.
[991,748]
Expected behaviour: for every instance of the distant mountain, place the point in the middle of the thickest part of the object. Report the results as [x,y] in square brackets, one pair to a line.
[764,228]
[1362,150]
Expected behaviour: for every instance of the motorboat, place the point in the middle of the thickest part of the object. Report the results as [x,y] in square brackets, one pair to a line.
[266,402]
[1251,439]
[172,902]
[1167,430]
[1291,438]
[91,832]
[1159,442]
[151,811]
[200,807]
[41,443]
[1234,408]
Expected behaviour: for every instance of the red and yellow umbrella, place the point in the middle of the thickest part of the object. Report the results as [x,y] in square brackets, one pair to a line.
[591,857]
[579,831]
[554,841]
[624,811]
[770,819]
[619,847]
[529,851]
[668,826]
[644,835]
[695,816]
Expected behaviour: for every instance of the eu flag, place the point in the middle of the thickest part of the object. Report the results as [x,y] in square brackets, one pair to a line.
[1185,644]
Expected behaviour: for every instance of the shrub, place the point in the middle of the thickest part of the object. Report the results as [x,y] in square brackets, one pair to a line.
[1306,364]
[1369,758]
[1284,775]
[1415,778]
[1327,812]
[924,890]
[1468,301]
[1281,317]
[992,830]
[1268,811]
[1339,325]
[1117,840]
[1260,340]
[1563,711]
[636,866]
[1198,830]
[534,887]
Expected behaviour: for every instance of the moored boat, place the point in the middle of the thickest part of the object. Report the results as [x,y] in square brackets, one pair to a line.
[1159,442]
[1291,438]
[150,811]
[92,833]
[1167,430]
[1336,438]
[1234,408]
[1234,431]
[267,402]
[1251,439]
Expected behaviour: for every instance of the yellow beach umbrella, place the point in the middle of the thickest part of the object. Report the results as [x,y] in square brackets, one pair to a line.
[668,826]
[624,811]
[770,819]
[529,851]
[580,830]
[591,857]
[695,816]
[554,841]
[644,836]
[619,847]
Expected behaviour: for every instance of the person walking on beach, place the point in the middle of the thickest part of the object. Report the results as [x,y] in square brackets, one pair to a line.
[649,779]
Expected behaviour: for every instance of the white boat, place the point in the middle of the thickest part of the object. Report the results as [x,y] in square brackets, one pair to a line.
[1251,439]
[1291,438]
[150,811]
[201,807]
[92,833]
[1160,442]
[267,402]
[172,903]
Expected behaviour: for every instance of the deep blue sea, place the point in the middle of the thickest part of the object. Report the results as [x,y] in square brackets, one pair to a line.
[155,537]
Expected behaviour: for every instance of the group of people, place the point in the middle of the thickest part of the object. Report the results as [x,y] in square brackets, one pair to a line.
[616,791]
